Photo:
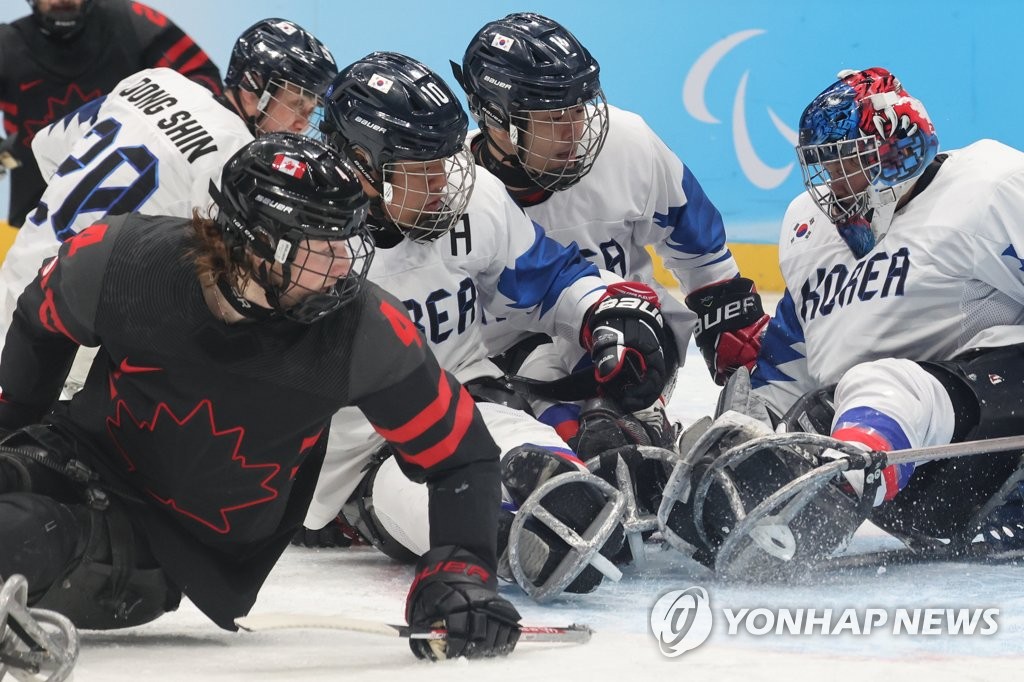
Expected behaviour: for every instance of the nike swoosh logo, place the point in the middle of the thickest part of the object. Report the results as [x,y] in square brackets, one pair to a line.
[29,86]
[135,369]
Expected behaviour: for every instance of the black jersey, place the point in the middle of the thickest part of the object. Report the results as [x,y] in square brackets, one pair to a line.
[42,80]
[220,429]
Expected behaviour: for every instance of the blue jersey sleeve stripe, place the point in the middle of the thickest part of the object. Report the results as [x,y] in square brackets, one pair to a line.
[777,345]
[696,227]
[543,272]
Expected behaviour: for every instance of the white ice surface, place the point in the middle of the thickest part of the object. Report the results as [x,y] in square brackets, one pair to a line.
[362,583]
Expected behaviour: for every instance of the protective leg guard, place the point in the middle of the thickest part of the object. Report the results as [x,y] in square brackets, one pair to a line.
[605,426]
[83,563]
[34,642]
[640,474]
[40,539]
[568,526]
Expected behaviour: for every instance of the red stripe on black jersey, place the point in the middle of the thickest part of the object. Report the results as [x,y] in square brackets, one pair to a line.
[450,443]
[427,417]
[176,51]
[194,63]
[437,412]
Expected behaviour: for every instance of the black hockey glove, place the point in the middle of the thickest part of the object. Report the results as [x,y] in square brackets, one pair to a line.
[629,345]
[337,533]
[452,590]
[730,324]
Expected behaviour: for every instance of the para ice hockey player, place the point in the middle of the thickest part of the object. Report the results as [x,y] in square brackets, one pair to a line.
[226,344]
[599,177]
[450,243]
[901,326]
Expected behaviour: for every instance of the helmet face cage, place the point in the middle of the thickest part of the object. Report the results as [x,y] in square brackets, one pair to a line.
[312,276]
[557,147]
[288,107]
[297,205]
[861,136]
[425,199]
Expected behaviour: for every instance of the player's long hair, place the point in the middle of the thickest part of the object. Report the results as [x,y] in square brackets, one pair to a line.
[213,258]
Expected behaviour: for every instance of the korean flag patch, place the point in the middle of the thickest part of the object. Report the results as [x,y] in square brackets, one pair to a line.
[501,42]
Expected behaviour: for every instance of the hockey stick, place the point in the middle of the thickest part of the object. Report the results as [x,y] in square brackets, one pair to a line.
[570,634]
[978,552]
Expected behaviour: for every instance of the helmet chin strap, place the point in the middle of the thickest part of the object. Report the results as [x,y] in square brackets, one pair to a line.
[510,170]
[242,305]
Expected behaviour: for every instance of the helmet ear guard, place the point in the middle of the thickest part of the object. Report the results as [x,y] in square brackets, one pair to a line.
[34,641]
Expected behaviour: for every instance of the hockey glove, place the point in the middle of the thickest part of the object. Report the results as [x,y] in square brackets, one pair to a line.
[629,345]
[337,533]
[452,590]
[730,324]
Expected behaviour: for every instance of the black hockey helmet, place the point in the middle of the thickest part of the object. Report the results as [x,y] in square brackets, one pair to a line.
[59,22]
[527,63]
[276,193]
[404,128]
[273,57]
[278,49]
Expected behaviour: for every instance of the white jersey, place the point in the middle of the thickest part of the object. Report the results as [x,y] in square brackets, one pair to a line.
[151,145]
[496,260]
[948,276]
[638,193]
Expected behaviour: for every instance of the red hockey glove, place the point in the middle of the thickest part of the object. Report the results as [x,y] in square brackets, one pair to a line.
[631,349]
[730,324]
[452,590]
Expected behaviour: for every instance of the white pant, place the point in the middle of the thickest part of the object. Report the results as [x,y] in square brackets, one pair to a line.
[400,504]
[904,392]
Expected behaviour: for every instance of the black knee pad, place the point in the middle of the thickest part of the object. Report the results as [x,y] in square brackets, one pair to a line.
[113,582]
[40,538]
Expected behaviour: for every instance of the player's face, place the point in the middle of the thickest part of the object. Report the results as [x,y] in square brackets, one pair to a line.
[289,109]
[316,268]
[847,177]
[554,139]
[417,190]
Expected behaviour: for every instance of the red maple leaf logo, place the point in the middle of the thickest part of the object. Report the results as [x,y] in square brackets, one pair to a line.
[58,108]
[209,479]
